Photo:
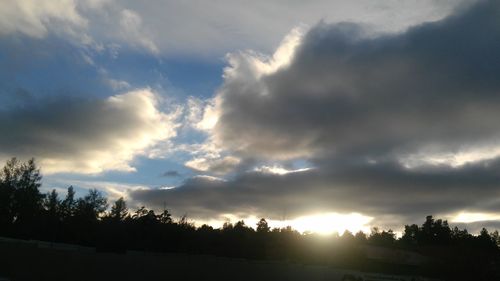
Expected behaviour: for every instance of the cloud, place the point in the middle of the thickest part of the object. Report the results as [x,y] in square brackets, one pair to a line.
[377,191]
[80,135]
[345,93]
[187,27]
[171,173]
[98,25]
[36,18]
[278,170]
[131,24]
[172,27]
[201,114]
[358,106]
[112,190]
[118,85]
[476,227]
[396,125]
[220,166]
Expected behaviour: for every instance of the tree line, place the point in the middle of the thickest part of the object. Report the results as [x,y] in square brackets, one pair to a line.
[26,213]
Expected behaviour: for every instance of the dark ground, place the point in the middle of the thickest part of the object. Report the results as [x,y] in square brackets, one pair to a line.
[30,260]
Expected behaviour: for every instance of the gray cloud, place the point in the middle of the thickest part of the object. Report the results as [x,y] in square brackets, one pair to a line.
[172,27]
[258,25]
[69,134]
[218,166]
[476,227]
[358,107]
[377,190]
[37,19]
[171,173]
[344,93]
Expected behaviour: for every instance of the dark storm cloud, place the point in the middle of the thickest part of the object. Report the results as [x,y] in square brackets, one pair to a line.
[434,84]
[355,107]
[376,190]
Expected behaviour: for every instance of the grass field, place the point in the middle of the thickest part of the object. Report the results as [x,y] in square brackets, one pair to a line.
[31,260]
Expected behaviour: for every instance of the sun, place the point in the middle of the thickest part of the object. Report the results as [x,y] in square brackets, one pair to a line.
[328,223]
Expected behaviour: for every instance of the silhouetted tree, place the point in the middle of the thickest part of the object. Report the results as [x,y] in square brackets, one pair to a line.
[145,216]
[347,237]
[360,237]
[460,235]
[8,176]
[411,234]
[241,228]
[227,226]
[485,240]
[495,236]
[165,217]
[19,185]
[185,223]
[119,210]
[382,238]
[262,226]
[139,213]
[52,204]
[90,207]
[68,205]
[53,217]
[27,195]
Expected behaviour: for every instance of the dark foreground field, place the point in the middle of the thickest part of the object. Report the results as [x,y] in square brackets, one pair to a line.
[45,261]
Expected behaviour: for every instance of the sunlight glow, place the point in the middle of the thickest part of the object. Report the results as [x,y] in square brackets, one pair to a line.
[465,217]
[329,223]
[323,223]
[278,170]
[452,159]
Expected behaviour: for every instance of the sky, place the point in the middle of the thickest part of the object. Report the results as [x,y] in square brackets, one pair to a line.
[325,115]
